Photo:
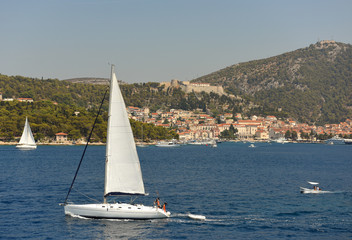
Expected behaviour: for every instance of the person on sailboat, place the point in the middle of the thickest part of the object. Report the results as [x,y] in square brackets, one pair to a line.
[157,202]
[164,206]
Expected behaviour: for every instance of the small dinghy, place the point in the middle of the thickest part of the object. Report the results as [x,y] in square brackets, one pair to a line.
[316,188]
[196,217]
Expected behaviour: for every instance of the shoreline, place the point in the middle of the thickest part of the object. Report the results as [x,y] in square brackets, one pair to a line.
[52,144]
[153,143]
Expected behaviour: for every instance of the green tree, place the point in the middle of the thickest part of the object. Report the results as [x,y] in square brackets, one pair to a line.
[288,134]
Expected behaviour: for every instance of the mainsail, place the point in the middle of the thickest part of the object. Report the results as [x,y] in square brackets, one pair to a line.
[123,173]
[27,136]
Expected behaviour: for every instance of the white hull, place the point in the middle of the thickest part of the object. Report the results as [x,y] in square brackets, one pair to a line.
[141,145]
[196,143]
[26,147]
[201,143]
[307,190]
[196,217]
[115,211]
[167,145]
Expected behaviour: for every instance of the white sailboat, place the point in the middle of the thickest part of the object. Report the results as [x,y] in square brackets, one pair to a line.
[27,141]
[123,174]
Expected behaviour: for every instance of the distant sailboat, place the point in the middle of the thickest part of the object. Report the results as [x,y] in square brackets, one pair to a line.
[27,141]
[123,175]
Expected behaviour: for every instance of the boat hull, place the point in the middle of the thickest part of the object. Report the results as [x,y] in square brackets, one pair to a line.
[307,190]
[26,147]
[115,211]
[196,217]
[167,145]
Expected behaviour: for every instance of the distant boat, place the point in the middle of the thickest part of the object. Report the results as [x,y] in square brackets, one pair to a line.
[252,146]
[316,189]
[202,142]
[348,141]
[141,145]
[281,140]
[167,144]
[336,140]
[27,141]
[123,175]
[196,217]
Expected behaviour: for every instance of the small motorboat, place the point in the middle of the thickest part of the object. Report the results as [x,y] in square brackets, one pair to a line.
[196,217]
[167,144]
[316,189]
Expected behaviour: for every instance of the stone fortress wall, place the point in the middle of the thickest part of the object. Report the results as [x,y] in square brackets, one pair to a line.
[188,87]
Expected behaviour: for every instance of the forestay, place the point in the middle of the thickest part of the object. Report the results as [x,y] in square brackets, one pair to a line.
[122,169]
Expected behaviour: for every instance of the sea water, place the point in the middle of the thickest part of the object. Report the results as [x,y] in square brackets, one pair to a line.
[244,193]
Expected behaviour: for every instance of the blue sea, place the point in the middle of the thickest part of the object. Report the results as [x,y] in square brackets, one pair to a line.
[245,193]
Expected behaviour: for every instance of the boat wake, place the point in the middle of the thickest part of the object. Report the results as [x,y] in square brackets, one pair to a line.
[189,218]
[76,216]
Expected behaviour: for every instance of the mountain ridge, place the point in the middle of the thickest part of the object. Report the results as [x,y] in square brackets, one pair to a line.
[312,85]
[317,79]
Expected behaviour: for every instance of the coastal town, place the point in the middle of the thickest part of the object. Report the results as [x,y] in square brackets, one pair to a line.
[198,125]
[201,126]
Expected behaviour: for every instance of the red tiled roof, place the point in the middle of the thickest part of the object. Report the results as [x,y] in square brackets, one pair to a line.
[61,134]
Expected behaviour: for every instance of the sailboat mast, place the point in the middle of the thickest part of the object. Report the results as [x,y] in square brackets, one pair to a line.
[108,130]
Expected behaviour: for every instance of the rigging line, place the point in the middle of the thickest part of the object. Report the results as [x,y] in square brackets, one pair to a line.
[85,148]
[95,200]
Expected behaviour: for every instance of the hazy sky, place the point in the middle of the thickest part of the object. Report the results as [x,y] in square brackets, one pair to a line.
[158,40]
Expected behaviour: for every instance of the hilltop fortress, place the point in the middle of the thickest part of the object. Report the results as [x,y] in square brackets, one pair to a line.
[188,87]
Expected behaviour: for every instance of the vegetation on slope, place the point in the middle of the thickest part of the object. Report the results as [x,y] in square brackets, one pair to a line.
[46,119]
[312,84]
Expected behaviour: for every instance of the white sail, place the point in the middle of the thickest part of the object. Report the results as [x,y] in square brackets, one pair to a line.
[27,139]
[122,168]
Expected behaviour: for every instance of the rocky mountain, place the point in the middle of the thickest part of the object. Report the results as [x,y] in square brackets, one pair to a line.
[312,84]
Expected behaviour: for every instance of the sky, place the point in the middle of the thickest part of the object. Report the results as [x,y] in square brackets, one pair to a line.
[159,40]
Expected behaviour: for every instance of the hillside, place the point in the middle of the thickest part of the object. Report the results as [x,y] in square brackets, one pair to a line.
[89,80]
[311,84]
[60,106]
[63,92]
[87,95]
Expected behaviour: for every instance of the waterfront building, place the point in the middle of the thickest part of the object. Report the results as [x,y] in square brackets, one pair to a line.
[61,137]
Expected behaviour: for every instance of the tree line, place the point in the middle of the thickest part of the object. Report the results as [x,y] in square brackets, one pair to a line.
[47,118]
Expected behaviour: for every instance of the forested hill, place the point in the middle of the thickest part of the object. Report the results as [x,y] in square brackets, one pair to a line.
[312,84]
[63,92]
[62,106]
